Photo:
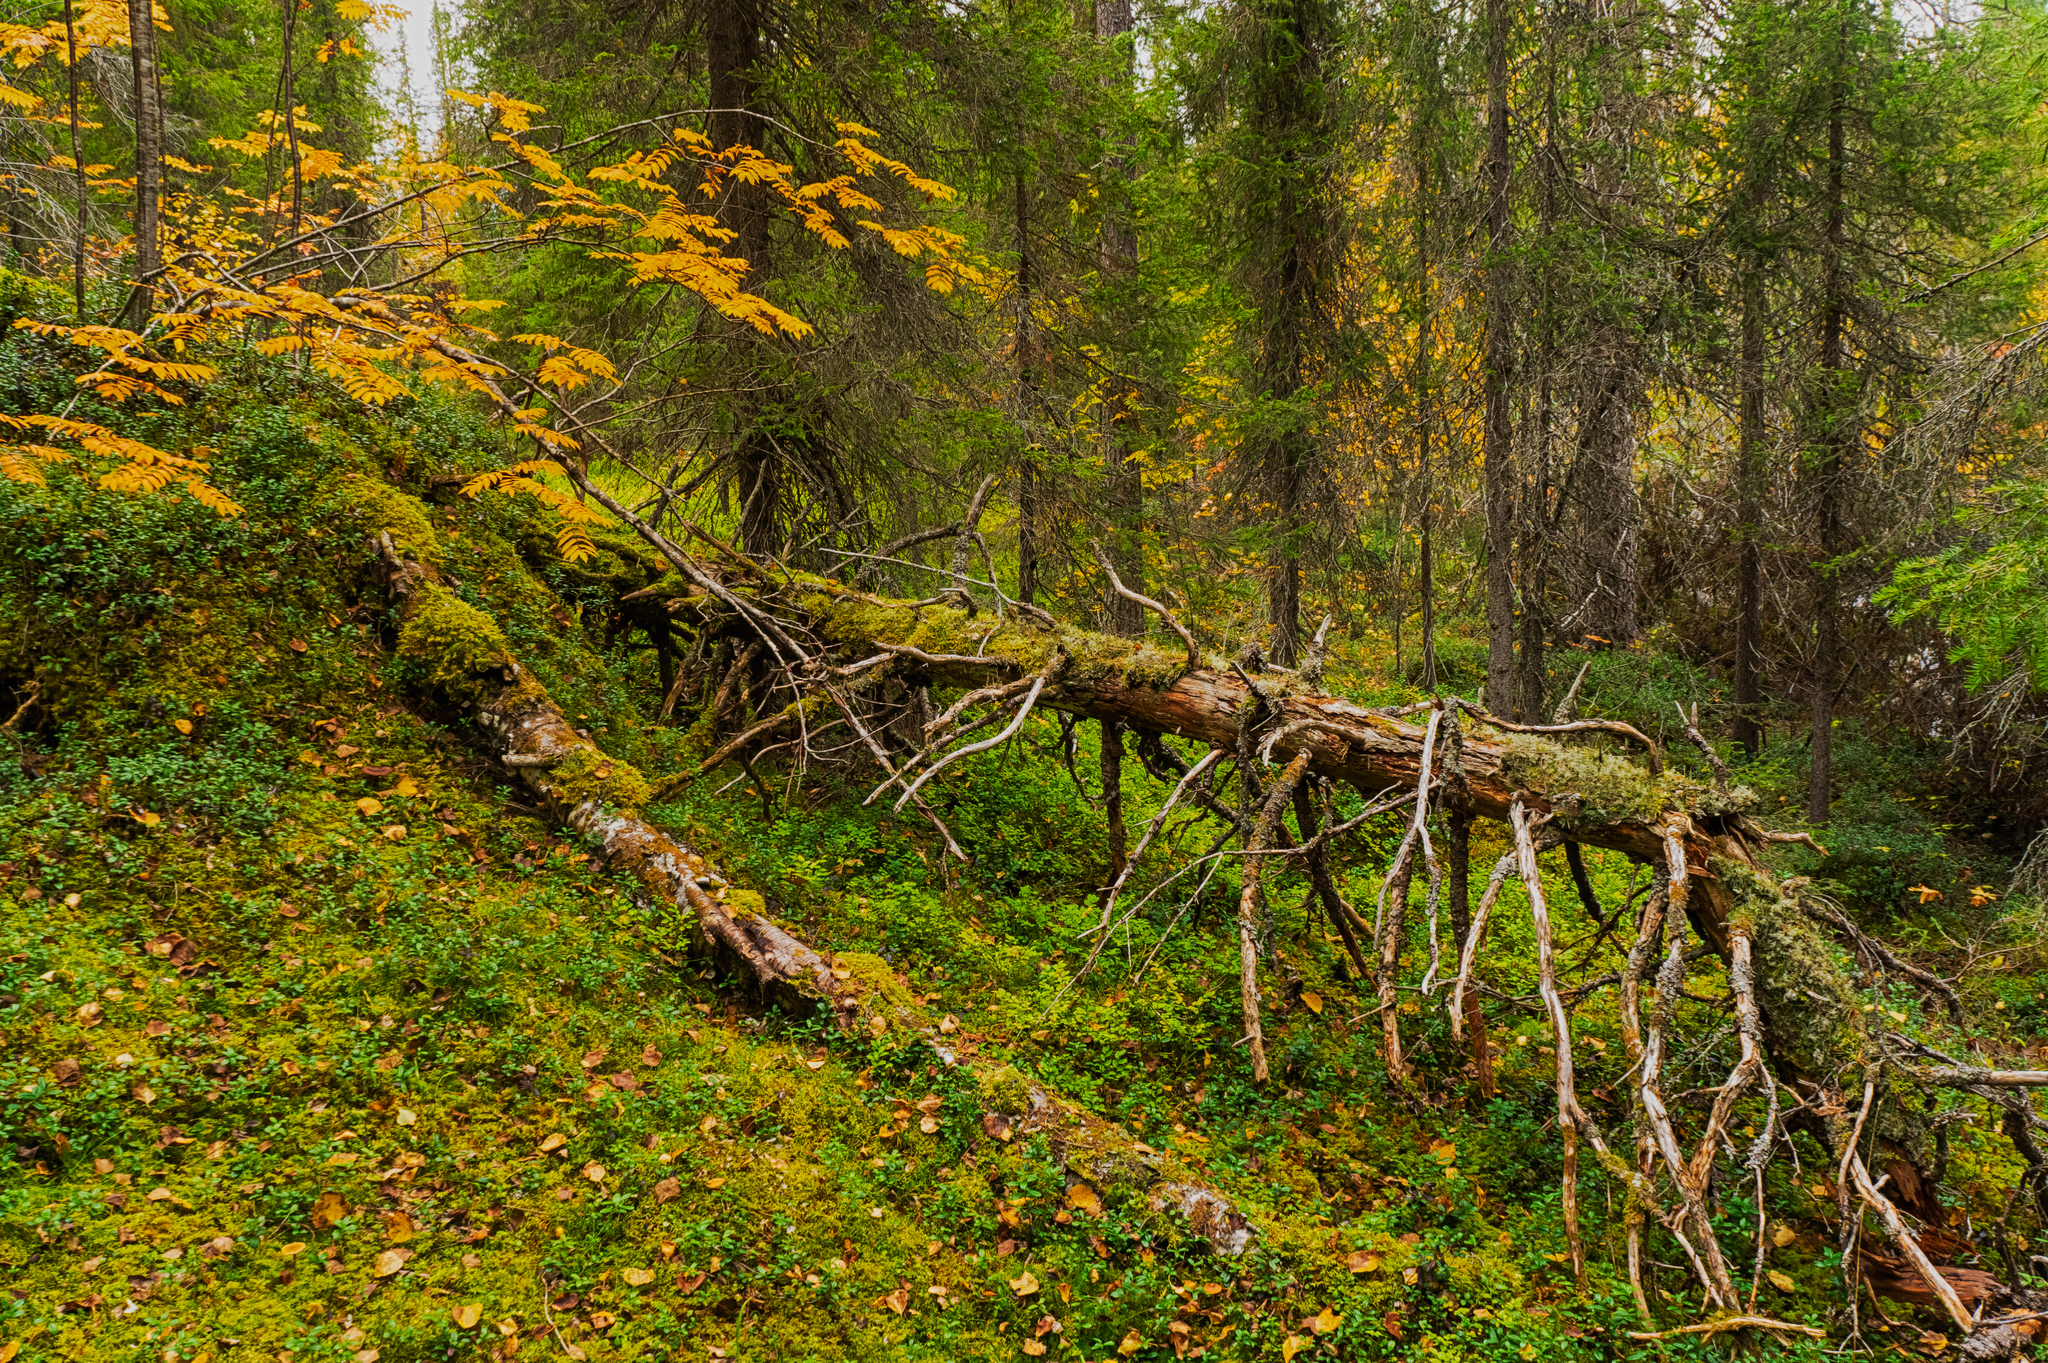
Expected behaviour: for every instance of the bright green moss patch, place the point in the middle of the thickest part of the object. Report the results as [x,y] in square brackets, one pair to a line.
[373,506]
[460,648]
[588,774]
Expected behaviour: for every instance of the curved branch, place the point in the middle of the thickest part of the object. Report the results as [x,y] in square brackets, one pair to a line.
[1612,726]
[1116,584]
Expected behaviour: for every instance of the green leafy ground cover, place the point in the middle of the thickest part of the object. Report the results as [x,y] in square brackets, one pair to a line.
[318,1044]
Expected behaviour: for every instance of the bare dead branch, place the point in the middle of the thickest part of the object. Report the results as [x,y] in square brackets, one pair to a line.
[1691,724]
[1249,901]
[1116,584]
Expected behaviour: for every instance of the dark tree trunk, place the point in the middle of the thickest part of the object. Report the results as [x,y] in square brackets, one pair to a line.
[1027,405]
[1531,689]
[1832,422]
[734,53]
[1608,514]
[1498,455]
[1288,119]
[1425,412]
[1124,477]
[1749,476]
[149,160]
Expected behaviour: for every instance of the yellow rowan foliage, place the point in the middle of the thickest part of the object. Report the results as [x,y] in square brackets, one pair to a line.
[241,285]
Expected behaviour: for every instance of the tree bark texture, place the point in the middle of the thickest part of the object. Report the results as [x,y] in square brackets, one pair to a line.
[1123,474]
[1498,455]
[1831,405]
[735,52]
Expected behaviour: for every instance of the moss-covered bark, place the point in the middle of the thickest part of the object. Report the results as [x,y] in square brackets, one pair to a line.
[1815,1028]
[468,660]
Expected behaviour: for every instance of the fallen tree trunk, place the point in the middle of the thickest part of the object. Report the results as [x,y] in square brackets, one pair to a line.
[1812,1019]
[1814,1026]
[469,662]
[1809,1011]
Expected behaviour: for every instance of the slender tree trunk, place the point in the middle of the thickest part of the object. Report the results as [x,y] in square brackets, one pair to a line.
[1498,456]
[77,166]
[149,161]
[1749,620]
[1117,836]
[1825,463]
[1027,403]
[1531,688]
[1425,565]
[734,54]
[288,78]
[1117,246]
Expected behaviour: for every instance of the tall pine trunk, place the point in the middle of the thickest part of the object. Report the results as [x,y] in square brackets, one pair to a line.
[734,53]
[1124,475]
[1824,464]
[1285,116]
[1498,456]
[1027,404]
[1425,408]
[1531,690]
[1749,478]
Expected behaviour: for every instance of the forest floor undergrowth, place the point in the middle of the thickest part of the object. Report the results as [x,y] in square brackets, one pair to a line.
[320,1044]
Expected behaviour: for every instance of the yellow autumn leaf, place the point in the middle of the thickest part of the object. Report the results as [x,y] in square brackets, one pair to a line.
[1314,1002]
[1325,1321]
[1784,1236]
[637,1277]
[1362,1261]
[1782,1281]
[466,1316]
[554,1140]
[389,1262]
[1082,1198]
[1130,1344]
[183,726]
[405,788]
[1293,1345]
[1024,1284]
[369,806]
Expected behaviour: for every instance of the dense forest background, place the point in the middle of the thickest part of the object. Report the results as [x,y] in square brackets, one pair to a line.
[1662,377]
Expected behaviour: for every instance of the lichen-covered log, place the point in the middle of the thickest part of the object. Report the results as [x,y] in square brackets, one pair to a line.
[465,658]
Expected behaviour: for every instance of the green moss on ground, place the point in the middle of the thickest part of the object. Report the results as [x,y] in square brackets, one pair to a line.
[330,1000]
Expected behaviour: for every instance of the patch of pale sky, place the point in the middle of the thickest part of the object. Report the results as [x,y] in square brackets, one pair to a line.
[415,37]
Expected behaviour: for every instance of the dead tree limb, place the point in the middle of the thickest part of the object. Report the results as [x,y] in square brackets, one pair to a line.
[1251,902]
[1116,585]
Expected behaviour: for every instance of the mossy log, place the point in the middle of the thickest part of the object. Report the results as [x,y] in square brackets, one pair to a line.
[467,660]
[1815,1029]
